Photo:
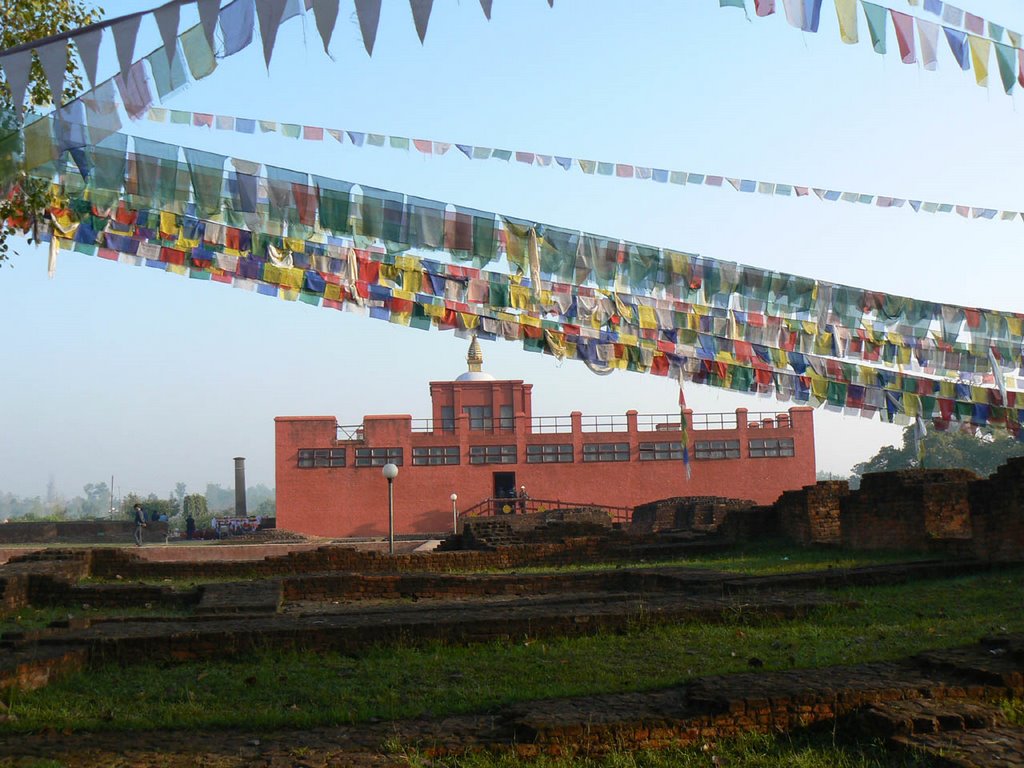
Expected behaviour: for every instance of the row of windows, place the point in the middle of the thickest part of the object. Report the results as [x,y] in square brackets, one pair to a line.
[554,453]
[327,457]
[481,417]
[768,448]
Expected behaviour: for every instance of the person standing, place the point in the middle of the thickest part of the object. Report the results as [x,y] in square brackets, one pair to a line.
[140,523]
[190,526]
[523,498]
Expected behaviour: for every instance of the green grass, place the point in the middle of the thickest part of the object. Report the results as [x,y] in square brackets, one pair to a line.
[24,619]
[304,690]
[814,749]
[754,560]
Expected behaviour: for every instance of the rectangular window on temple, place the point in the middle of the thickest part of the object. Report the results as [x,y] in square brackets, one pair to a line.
[378,457]
[663,451]
[549,454]
[716,449]
[606,452]
[480,416]
[506,419]
[492,454]
[762,449]
[435,455]
[447,418]
[321,457]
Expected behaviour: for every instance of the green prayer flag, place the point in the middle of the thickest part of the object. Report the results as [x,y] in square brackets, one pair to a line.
[168,78]
[200,58]
[485,242]
[156,172]
[1007,66]
[399,142]
[291,130]
[335,200]
[836,394]
[742,378]
[179,117]
[732,4]
[499,294]
[533,345]
[207,172]
[876,17]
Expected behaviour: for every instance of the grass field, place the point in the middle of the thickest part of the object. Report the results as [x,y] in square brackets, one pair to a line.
[304,690]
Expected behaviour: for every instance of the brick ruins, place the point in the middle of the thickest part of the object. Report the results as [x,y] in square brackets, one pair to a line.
[949,512]
[345,599]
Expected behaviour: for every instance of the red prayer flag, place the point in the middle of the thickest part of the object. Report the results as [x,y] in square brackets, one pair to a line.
[904,25]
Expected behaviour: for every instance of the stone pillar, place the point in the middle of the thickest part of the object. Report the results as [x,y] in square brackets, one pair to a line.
[240,510]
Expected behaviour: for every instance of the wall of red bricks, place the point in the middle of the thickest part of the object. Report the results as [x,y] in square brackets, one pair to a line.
[811,515]
[353,501]
[911,510]
[997,513]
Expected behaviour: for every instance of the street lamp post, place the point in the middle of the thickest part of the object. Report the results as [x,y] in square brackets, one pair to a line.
[390,472]
[455,514]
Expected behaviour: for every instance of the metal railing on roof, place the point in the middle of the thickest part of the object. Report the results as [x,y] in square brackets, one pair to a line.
[549,425]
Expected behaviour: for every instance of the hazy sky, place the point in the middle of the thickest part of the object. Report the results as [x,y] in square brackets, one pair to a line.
[115,370]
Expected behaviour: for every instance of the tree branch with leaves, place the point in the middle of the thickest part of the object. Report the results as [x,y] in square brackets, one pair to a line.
[24,200]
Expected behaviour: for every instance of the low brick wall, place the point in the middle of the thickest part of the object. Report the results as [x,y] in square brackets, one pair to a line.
[911,510]
[810,515]
[997,513]
[111,563]
[684,513]
[77,532]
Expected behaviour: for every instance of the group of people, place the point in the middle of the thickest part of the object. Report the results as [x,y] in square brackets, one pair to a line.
[141,522]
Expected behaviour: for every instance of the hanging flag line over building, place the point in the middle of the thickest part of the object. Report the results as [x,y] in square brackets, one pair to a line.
[442,296]
[969,45]
[740,304]
[283,202]
[429,147]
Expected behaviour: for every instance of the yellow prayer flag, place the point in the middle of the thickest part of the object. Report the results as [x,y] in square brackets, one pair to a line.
[911,404]
[332,291]
[534,322]
[648,318]
[846,11]
[518,297]
[980,51]
[168,222]
[819,384]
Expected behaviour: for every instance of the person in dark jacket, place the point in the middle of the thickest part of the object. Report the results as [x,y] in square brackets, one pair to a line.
[140,523]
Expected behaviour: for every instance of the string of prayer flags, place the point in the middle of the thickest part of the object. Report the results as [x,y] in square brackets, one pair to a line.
[969,36]
[361,275]
[236,20]
[617,169]
[869,325]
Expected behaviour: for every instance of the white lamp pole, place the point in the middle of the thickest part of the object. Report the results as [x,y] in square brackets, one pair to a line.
[455,514]
[390,472]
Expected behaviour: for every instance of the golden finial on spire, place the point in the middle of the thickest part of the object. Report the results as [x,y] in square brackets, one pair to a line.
[475,357]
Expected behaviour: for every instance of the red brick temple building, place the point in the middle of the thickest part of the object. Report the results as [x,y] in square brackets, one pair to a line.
[483,441]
